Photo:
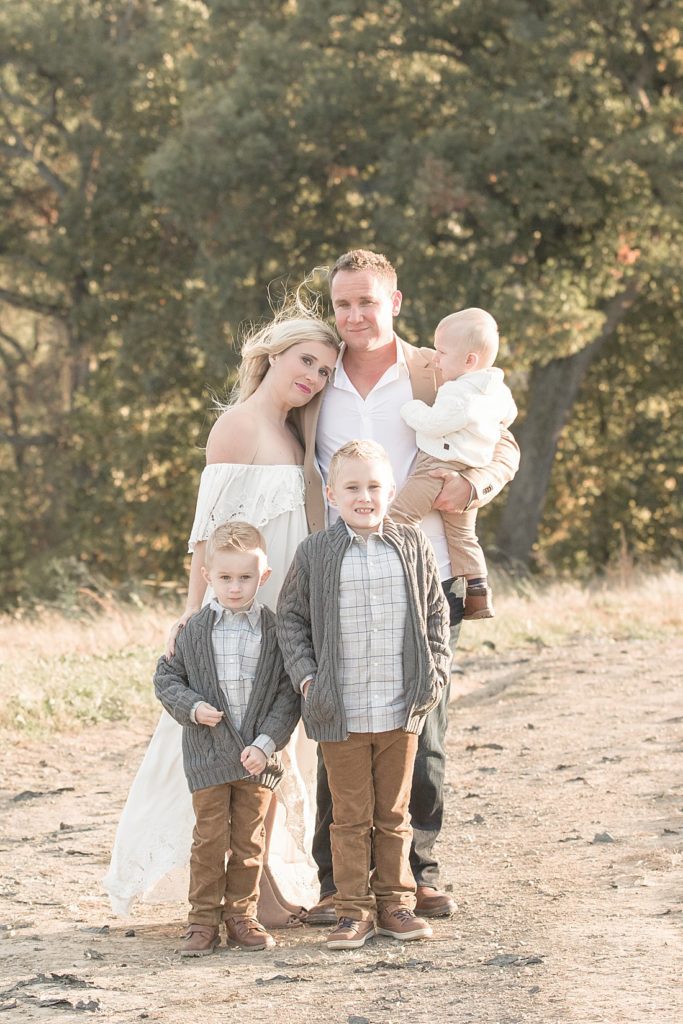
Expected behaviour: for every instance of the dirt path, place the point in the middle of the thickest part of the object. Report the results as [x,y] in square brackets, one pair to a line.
[564,848]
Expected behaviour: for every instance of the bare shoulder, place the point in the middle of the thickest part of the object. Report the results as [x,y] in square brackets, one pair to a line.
[232,438]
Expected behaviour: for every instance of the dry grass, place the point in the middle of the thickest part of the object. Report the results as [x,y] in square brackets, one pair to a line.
[618,607]
[63,674]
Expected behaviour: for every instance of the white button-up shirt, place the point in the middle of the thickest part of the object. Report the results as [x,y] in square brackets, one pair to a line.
[345,416]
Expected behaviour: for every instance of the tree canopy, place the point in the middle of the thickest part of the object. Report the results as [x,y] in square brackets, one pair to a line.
[167,167]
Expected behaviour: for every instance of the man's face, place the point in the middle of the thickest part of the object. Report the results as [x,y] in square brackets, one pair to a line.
[364,309]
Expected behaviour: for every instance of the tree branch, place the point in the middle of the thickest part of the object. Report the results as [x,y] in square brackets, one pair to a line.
[35,305]
[21,151]
[32,441]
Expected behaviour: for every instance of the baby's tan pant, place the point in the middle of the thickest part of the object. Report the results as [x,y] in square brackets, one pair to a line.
[416,499]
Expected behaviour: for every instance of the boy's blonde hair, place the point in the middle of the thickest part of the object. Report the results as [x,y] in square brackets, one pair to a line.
[368,451]
[477,331]
[235,536]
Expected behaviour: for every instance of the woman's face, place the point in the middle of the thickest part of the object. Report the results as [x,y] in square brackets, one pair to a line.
[302,371]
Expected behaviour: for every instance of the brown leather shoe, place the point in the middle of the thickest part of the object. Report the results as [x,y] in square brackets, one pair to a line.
[479,603]
[199,940]
[350,934]
[433,903]
[323,912]
[401,923]
[248,933]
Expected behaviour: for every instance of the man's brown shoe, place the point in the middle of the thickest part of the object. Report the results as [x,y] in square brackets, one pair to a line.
[350,934]
[401,923]
[432,903]
[323,912]
[199,940]
[248,933]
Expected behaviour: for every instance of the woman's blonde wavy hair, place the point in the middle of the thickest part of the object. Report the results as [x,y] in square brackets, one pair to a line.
[294,323]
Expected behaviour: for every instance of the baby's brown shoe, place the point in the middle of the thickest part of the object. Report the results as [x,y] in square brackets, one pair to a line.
[479,603]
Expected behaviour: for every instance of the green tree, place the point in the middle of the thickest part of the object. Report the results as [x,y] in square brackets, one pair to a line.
[99,360]
[516,155]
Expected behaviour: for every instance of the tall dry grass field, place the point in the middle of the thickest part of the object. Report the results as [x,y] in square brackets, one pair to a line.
[63,674]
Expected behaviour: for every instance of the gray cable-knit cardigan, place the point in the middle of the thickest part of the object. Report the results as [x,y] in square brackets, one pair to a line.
[308,627]
[211,756]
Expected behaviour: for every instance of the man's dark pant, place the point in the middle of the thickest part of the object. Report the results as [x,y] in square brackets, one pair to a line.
[426,796]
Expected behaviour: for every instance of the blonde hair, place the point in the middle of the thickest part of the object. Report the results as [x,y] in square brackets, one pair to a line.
[364,259]
[290,326]
[476,330]
[235,536]
[367,451]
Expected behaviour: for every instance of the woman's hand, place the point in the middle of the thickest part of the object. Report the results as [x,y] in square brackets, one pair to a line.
[173,633]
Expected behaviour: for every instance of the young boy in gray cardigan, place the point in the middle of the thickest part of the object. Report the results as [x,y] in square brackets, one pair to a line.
[363,626]
[226,685]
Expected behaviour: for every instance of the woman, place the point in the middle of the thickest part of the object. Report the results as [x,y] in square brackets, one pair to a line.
[253,473]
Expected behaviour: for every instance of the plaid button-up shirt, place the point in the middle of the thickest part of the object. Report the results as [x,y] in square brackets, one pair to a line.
[373,605]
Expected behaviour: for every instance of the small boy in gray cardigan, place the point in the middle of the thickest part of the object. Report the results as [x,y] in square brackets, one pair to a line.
[226,685]
[363,626]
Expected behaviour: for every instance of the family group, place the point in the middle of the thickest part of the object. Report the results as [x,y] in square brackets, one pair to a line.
[334,556]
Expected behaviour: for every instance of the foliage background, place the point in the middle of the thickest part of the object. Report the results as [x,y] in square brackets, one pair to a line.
[167,165]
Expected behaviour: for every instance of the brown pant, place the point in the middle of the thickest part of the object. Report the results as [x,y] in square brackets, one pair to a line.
[227,817]
[416,499]
[370,776]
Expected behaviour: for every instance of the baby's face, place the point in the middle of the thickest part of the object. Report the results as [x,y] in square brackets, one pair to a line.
[452,355]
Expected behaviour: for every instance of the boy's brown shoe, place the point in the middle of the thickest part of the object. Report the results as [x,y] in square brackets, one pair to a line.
[350,934]
[199,940]
[479,603]
[401,923]
[248,933]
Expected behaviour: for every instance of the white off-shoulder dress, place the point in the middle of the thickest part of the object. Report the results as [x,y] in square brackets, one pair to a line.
[154,835]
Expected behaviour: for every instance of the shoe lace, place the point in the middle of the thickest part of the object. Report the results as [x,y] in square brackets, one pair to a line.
[403,914]
[346,922]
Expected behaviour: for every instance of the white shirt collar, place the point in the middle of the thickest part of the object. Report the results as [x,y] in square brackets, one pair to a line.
[253,614]
[363,540]
[341,379]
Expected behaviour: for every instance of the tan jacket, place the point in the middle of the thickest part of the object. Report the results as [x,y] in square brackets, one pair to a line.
[487,482]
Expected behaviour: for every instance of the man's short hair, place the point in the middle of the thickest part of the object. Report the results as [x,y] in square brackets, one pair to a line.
[235,536]
[364,259]
[368,451]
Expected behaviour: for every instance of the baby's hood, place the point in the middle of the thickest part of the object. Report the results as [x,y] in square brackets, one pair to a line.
[486,382]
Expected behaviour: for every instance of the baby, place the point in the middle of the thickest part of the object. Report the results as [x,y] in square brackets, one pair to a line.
[458,432]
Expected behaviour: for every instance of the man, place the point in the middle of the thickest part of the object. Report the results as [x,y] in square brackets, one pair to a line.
[376,373]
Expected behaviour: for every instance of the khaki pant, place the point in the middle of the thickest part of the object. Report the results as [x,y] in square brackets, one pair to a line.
[228,817]
[370,776]
[416,499]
